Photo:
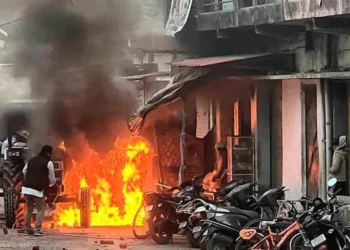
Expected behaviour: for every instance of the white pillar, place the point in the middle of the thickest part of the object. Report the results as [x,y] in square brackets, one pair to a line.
[292,138]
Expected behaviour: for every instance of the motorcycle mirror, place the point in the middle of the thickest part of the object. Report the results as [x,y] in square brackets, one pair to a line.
[332,182]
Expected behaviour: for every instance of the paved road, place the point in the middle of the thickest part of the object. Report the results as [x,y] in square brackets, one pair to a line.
[81,239]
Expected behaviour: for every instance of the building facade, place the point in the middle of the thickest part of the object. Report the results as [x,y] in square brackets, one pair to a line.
[297,105]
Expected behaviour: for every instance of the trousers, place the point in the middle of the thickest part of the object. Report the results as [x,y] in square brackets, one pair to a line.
[39,204]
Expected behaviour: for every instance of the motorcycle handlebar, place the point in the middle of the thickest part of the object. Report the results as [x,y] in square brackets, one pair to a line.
[334,194]
[195,178]
[337,192]
[306,198]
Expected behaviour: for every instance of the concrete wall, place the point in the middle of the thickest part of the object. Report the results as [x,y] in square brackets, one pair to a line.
[316,60]
[292,138]
[300,9]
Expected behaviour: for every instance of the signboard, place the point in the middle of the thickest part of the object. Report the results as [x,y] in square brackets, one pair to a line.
[178,16]
[241,158]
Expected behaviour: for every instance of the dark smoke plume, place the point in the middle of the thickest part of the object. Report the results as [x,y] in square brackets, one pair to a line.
[73,61]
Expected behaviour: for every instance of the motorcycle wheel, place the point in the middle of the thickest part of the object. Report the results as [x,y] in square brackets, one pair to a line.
[248,244]
[217,245]
[158,232]
[134,224]
[191,241]
[297,243]
[203,246]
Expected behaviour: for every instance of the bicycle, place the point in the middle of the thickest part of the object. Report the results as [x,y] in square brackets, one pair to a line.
[263,238]
[271,240]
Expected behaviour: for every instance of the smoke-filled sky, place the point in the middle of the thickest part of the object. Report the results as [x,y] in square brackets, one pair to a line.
[73,60]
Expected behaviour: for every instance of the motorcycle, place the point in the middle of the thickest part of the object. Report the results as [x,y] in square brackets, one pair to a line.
[222,228]
[312,230]
[326,229]
[222,198]
[161,210]
[242,196]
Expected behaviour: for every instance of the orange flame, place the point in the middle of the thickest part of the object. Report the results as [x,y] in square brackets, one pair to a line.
[62,146]
[115,182]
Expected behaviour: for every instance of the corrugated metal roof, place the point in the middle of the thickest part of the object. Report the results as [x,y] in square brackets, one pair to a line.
[207,61]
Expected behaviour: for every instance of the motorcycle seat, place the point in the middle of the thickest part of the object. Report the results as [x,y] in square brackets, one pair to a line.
[226,189]
[250,214]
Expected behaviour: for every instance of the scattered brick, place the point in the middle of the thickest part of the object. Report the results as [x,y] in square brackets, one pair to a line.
[123,245]
[107,242]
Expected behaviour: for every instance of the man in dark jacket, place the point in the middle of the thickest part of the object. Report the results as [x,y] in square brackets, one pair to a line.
[39,174]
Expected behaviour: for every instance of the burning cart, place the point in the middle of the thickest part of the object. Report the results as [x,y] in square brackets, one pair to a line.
[14,159]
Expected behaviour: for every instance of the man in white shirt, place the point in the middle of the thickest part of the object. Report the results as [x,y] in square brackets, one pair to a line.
[39,174]
[5,146]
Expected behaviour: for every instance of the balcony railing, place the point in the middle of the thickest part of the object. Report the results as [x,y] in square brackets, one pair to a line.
[205,6]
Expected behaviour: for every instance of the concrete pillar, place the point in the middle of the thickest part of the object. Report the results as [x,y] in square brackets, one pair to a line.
[321,137]
[261,129]
[292,138]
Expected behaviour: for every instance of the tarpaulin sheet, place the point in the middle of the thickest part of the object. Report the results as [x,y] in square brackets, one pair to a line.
[171,92]
[178,16]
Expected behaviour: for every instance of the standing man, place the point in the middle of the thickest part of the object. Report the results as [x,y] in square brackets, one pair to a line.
[339,167]
[39,174]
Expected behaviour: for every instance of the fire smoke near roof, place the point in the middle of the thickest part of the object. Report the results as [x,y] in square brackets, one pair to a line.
[73,61]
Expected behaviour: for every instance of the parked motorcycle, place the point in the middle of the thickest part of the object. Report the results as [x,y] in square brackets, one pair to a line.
[153,201]
[312,230]
[222,227]
[222,198]
[241,196]
[161,210]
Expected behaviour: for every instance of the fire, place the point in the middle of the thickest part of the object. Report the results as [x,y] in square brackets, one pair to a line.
[115,182]
[83,183]
[62,146]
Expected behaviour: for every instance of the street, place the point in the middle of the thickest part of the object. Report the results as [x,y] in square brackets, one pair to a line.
[79,239]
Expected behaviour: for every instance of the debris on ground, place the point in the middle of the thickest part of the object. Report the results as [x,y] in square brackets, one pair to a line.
[123,245]
[107,242]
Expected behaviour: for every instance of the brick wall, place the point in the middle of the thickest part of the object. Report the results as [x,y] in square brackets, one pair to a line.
[276,134]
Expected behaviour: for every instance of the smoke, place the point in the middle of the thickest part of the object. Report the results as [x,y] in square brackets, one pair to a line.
[74,60]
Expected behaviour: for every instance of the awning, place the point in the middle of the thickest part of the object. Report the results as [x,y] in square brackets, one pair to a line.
[208,61]
[171,92]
